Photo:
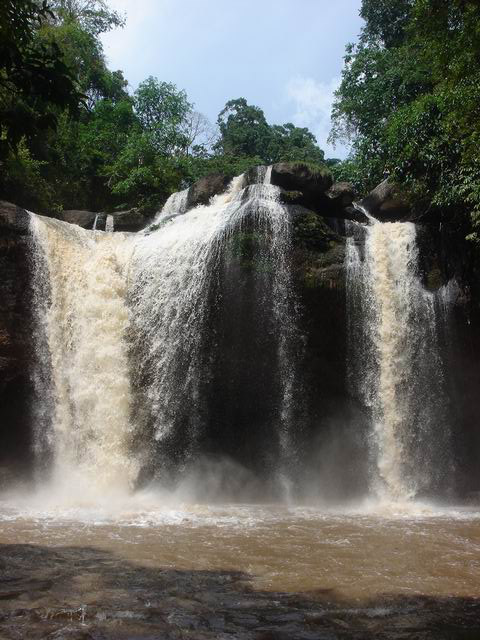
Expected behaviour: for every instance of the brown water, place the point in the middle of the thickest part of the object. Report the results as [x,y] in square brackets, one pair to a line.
[136,570]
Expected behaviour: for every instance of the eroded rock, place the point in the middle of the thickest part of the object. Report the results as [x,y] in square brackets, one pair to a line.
[342,195]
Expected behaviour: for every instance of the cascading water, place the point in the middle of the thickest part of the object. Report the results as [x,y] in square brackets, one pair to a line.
[125,327]
[176,203]
[170,275]
[84,320]
[109,224]
[395,366]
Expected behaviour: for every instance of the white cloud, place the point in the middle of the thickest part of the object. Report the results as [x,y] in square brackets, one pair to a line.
[313,107]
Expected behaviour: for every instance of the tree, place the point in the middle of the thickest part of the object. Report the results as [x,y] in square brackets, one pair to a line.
[293,144]
[82,52]
[92,16]
[35,82]
[243,129]
[386,21]
[409,100]
[163,111]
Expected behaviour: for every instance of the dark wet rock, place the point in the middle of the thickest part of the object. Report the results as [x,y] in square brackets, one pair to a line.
[352,213]
[204,189]
[312,187]
[291,197]
[84,219]
[70,633]
[311,231]
[129,220]
[312,181]
[255,175]
[15,339]
[342,195]
[13,218]
[388,203]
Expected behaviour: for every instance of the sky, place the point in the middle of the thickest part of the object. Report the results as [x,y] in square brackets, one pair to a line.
[284,56]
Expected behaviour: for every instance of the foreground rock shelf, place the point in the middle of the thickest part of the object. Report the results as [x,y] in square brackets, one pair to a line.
[84,593]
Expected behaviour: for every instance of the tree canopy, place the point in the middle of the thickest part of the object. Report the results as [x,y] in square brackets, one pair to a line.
[73,136]
[35,82]
[409,102]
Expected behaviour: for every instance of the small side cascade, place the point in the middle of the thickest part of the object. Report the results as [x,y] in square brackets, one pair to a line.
[94,228]
[110,224]
[176,204]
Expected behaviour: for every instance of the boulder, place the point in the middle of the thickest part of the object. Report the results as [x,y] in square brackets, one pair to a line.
[204,189]
[129,220]
[291,197]
[13,218]
[312,181]
[352,213]
[82,218]
[341,195]
[312,187]
[388,203]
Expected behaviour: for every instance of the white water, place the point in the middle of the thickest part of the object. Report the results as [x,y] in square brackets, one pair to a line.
[395,365]
[172,272]
[170,276]
[84,323]
[176,203]
[122,320]
[109,224]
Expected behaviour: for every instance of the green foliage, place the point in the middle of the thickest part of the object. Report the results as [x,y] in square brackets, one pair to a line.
[35,82]
[293,144]
[92,16]
[71,135]
[82,52]
[409,101]
[20,168]
[162,111]
[141,177]
[244,131]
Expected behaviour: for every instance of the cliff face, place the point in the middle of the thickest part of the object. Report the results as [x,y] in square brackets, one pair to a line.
[327,415]
[15,340]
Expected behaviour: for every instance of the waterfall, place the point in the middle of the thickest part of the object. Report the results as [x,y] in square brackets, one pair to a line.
[176,203]
[395,366]
[109,224]
[123,322]
[170,276]
[84,318]
[172,272]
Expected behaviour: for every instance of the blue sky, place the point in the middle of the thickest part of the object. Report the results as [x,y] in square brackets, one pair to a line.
[285,56]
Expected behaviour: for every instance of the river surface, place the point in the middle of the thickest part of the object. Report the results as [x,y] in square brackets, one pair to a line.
[139,569]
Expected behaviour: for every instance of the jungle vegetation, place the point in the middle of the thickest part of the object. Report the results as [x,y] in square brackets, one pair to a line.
[73,136]
[409,103]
